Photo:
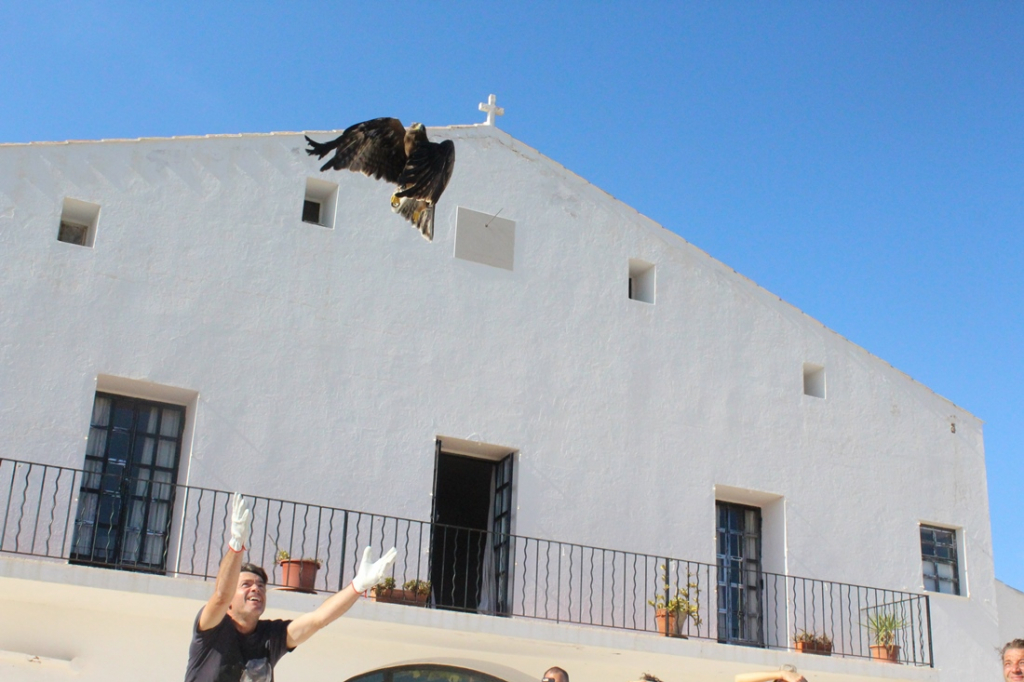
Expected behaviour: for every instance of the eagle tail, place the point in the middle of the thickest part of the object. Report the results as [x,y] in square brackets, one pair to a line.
[426,223]
[417,212]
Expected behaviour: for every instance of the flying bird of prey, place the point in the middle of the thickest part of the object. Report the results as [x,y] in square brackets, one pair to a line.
[384,148]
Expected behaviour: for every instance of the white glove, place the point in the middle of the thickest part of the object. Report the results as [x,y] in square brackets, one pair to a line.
[371,572]
[241,518]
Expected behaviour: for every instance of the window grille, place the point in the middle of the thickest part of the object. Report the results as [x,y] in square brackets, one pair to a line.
[739,574]
[127,492]
[939,557]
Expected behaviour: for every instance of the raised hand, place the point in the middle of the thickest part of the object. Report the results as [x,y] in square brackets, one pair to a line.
[241,519]
[371,572]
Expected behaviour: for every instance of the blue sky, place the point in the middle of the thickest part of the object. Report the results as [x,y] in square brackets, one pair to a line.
[862,160]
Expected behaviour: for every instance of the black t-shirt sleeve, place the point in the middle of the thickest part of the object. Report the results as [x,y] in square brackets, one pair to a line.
[276,639]
[211,656]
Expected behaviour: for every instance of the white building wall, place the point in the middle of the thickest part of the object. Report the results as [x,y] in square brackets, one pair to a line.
[1011,613]
[319,364]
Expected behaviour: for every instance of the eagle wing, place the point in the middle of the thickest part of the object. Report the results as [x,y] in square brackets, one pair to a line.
[375,148]
[428,171]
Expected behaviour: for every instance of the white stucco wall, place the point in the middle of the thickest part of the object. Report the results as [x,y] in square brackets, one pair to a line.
[1011,613]
[307,355]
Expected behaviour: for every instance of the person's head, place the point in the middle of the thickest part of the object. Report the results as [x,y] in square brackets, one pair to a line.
[555,674]
[1013,660]
[250,598]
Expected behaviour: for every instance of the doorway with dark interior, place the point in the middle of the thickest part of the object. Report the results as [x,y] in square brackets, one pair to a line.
[740,584]
[127,488]
[470,542]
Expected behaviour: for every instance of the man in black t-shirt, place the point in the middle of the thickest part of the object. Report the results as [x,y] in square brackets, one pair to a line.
[229,641]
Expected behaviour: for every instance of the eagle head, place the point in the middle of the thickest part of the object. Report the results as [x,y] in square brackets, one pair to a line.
[414,135]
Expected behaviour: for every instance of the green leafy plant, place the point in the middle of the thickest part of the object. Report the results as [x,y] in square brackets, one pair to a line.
[385,584]
[883,626]
[815,640]
[684,601]
[283,556]
[419,587]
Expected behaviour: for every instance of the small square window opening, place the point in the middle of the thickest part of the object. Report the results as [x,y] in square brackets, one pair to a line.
[73,234]
[814,380]
[311,212]
[320,202]
[641,280]
[78,220]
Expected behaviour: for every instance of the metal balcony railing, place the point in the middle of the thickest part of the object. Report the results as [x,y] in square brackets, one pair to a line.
[111,520]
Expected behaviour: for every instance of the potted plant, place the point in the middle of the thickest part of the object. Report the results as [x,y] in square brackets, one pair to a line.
[419,589]
[297,574]
[883,626]
[811,643]
[671,609]
[413,592]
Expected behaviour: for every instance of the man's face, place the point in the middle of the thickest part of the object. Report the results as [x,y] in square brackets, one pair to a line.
[553,676]
[250,598]
[1013,665]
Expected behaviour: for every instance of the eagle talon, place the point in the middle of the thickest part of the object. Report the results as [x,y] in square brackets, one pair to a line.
[395,201]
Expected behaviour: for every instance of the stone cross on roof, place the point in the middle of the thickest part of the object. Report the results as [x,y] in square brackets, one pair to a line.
[492,109]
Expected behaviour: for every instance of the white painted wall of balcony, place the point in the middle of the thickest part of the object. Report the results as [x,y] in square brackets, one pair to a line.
[110,625]
[323,363]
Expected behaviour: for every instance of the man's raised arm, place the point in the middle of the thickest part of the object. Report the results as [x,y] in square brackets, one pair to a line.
[369,574]
[227,575]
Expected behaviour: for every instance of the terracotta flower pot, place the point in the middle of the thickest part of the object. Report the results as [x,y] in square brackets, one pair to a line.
[669,623]
[814,648]
[299,574]
[885,652]
[399,596]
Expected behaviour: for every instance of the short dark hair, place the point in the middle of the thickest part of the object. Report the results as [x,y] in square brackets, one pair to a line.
[253,568]
[557,670]
[1012,644]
